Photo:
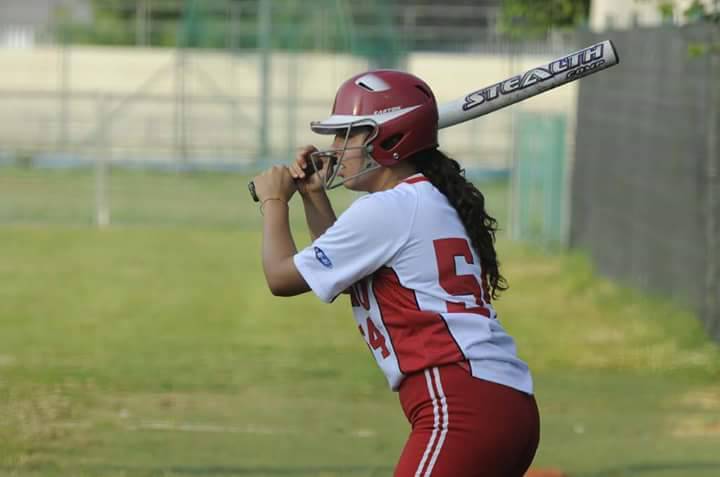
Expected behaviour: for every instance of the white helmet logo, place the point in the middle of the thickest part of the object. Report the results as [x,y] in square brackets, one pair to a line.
[372,83]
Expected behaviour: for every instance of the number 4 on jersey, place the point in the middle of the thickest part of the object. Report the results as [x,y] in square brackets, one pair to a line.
[376,340]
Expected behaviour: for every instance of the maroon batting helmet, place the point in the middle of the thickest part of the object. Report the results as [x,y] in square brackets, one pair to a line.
[399,107]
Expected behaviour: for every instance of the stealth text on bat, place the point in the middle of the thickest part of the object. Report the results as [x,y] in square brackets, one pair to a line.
[584,61]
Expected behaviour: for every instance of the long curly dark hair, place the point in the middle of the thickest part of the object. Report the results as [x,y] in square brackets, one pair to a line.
[447,175]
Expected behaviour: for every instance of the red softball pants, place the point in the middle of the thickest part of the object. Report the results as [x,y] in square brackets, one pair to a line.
[463,426]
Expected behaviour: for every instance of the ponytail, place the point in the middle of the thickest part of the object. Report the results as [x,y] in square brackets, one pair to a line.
[447,176]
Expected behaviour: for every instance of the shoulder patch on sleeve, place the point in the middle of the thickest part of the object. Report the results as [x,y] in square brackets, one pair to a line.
[322,257]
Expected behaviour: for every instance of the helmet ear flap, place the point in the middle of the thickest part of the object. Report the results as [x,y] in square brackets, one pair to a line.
[392,141]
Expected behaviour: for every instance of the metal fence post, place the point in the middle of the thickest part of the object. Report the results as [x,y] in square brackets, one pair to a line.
[102,207]
[712,171]
[64,118]
[180,132]
[141,30]
[264,45]
[180,98]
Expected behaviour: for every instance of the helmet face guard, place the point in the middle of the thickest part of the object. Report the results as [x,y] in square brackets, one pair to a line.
[333,159]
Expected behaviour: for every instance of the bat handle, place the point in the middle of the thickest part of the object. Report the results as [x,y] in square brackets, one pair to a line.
[253,193]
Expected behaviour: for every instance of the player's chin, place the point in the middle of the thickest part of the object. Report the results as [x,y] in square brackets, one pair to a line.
[361,182]
[350,184]
[353,183]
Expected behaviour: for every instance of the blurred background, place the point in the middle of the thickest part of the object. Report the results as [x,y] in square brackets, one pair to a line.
[137,336]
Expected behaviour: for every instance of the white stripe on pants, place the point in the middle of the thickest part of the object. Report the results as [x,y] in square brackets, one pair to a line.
[440,412]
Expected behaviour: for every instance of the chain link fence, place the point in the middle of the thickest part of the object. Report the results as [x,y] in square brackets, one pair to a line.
[645,187]
[139,117]
[120,113]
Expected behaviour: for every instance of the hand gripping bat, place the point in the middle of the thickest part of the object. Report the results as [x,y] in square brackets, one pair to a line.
[517,88]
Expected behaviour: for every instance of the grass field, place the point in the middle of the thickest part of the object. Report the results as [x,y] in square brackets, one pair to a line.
[152,350]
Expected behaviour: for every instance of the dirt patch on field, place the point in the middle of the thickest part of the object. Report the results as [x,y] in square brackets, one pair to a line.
[545,473]
[706,400]
[696,427]
[705,418]
[603,336]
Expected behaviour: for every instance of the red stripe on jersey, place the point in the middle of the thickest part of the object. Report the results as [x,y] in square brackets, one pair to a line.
[414,180]
[421,339]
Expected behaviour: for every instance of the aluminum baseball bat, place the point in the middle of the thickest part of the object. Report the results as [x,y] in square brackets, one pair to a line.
[532,82]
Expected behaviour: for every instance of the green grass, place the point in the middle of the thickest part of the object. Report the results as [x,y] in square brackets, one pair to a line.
[152,198]
[147,350]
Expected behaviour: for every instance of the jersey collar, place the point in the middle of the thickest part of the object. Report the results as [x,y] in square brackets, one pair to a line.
[415,178]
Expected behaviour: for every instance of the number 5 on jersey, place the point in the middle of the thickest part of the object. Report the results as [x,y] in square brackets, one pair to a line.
[446,251]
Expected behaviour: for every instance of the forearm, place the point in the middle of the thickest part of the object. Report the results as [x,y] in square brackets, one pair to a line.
[319,213]
[278,249]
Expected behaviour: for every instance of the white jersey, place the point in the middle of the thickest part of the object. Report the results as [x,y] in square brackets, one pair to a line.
[416,285]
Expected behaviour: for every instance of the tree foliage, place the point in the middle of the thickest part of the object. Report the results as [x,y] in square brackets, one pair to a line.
[535,18]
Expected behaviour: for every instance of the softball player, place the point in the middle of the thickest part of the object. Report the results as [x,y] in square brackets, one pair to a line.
[417,257]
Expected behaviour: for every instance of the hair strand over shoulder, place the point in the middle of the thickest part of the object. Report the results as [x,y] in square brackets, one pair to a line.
[447,176]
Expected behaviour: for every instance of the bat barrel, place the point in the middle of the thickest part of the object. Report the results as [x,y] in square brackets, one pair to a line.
[529,83]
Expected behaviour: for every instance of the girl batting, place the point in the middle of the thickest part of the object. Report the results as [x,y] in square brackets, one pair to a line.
[417,256]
